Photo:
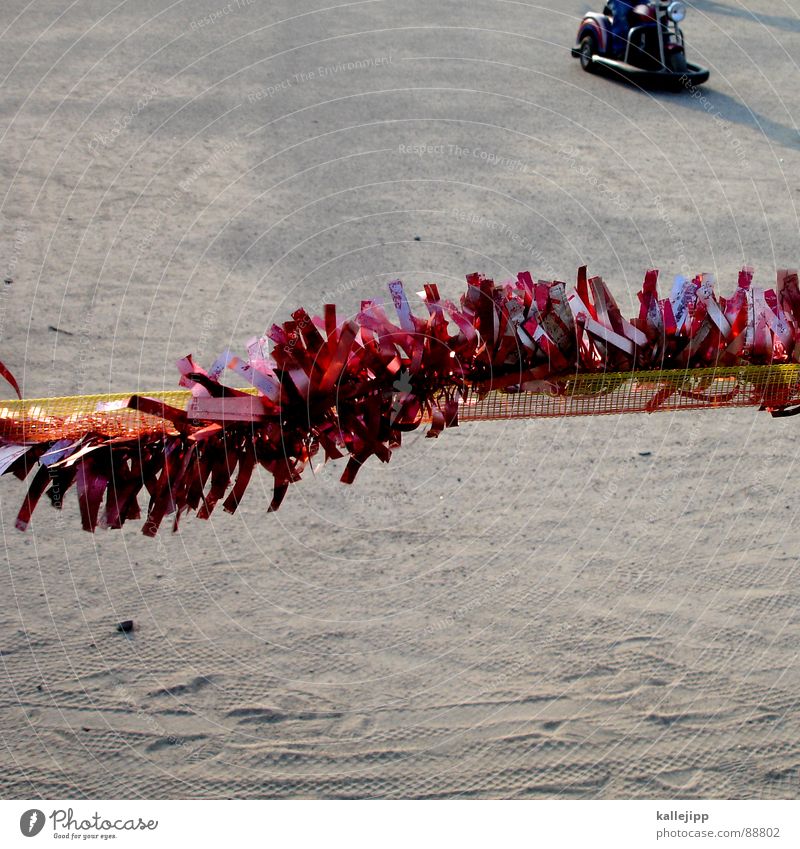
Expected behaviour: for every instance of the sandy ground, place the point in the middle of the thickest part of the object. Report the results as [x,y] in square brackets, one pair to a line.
[570,608]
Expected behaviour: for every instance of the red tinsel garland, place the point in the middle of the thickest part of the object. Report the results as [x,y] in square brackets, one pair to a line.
[354,387]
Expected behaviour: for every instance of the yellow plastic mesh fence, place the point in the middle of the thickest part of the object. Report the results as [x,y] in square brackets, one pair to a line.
[609,393]
[612,393]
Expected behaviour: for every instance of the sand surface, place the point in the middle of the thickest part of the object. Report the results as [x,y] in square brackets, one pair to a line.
[568,608]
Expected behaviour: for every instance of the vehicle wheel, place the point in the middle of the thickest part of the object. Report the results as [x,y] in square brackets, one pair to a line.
[677,62]
[588,49]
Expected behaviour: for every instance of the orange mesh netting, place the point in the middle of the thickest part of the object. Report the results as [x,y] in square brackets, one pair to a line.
[73,416]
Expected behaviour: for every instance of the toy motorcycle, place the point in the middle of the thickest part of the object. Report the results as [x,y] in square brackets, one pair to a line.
[652,54]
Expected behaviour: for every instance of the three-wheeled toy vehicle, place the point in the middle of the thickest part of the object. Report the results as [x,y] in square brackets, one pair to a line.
[652,54]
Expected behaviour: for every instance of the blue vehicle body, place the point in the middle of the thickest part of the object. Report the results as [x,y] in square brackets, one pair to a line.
[653,53]
[594,23]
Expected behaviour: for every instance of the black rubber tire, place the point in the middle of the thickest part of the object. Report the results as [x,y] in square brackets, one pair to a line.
[588,49]
[677,62]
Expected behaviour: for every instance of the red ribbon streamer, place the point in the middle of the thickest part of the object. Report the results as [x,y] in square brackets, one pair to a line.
[354,387]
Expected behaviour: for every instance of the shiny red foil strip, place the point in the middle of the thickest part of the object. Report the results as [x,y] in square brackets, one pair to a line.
[353,387]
